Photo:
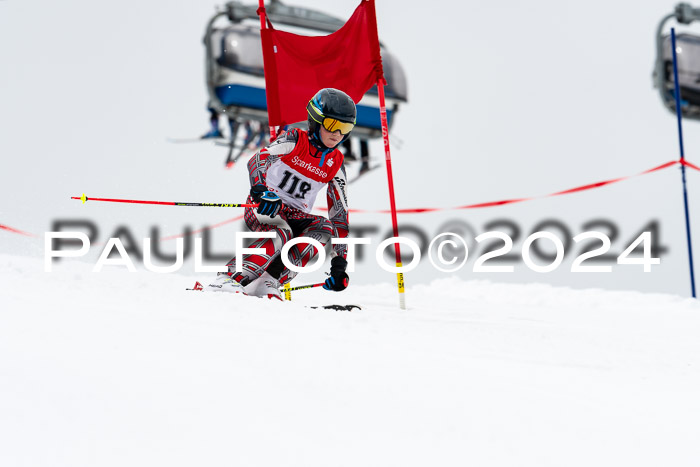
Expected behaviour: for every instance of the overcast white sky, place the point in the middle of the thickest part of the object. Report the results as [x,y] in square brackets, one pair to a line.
[507,99]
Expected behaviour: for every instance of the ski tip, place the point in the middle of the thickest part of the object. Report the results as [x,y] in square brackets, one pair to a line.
[338,307]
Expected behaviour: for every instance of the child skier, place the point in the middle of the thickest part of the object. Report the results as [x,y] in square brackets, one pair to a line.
[285,178]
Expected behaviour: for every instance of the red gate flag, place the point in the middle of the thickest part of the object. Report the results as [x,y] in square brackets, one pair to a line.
[296,67]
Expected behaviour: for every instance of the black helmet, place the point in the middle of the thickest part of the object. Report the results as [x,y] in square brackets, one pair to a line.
[333,109]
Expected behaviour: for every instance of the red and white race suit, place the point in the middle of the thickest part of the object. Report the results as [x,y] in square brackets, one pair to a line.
[296,171]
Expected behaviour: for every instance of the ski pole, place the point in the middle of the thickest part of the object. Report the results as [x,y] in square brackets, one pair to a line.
[288,290]
[84,198]
[310,286]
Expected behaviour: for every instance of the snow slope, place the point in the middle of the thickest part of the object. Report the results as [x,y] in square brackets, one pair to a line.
[116,369]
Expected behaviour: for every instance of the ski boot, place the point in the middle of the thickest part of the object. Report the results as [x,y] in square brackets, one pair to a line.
[265,286]
[224,283]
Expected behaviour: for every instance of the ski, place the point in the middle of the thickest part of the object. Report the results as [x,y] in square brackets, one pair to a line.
[223,143]
[245,151]
[358,176]
[337,307]
[193,140]
[229,161]
[219,288]
[200,288]
[246,148]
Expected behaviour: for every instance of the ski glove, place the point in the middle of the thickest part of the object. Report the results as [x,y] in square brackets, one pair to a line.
[339,280]
[256,191]
[270,203]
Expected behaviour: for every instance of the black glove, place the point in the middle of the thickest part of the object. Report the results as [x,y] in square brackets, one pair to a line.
[339,280]
[256,191]
[270,203]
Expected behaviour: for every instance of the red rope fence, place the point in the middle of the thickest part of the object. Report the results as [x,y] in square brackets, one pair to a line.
[489,204]
[17,231]
[589,186]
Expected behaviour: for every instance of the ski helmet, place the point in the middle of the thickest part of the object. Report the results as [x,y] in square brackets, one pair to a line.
[332,109]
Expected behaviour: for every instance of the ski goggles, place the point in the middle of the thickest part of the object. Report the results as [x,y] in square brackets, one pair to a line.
[329,123]
[333,125]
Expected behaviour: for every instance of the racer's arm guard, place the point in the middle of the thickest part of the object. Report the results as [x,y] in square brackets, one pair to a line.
[258,164]
[337,198]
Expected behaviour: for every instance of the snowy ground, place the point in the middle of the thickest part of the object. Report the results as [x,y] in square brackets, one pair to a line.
[119,369]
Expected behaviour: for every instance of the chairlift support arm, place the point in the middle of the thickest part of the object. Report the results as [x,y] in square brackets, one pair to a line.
[278,13]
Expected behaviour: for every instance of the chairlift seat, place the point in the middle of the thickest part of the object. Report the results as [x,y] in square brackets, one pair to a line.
[236,79]
[688,62]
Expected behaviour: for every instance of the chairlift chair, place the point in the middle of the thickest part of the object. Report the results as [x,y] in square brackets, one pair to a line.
[688,62]
[235,74]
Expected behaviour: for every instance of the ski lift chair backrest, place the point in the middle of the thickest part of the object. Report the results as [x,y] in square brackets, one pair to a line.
[688,57]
